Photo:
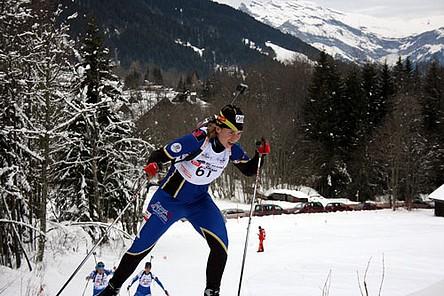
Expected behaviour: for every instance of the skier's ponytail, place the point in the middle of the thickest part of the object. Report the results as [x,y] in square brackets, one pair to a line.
[210,124]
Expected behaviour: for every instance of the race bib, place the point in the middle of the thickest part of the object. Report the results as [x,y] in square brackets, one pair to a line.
[204,168]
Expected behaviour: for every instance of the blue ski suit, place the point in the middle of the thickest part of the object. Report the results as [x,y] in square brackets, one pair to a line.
[100,281]
[145,281]
[196,161]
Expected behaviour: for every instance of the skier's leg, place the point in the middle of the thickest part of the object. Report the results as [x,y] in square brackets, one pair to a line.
[162,212]
[207,219]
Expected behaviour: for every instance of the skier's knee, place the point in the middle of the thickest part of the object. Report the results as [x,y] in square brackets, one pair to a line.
[217,248]
[214,242]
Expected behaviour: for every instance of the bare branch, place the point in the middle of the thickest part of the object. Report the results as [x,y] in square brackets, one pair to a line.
[359,283]
[383,274]
[327,284]
[365,276]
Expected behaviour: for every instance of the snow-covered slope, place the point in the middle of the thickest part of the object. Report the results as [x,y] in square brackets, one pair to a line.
[351,36]
[300,251]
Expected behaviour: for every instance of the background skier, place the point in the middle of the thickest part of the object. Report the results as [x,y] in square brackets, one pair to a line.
[197,160]
[145,278]
[99,276]
[261,236]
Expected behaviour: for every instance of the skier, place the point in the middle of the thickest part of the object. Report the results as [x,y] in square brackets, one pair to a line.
[145,278]
[197,160]
[99,277]
[261,236]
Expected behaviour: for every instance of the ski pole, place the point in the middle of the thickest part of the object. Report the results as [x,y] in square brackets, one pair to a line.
[249,223]
[240,89]
[133,197]
[84,289]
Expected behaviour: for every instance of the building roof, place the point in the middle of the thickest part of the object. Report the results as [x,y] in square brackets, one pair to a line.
[438,194]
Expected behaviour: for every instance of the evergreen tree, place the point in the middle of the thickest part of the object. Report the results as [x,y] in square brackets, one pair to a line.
[146,76]
[180,86]
[157,76]
[376,102]
[16,83]
[32,124]
[133,80]
[432,103]
[398,75]
[326,120]
[371,104]
[99,163]
[385,92]
[49,117]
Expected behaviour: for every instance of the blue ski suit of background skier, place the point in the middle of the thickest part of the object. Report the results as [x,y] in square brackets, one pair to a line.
[197,159]
[99,276]
[146,278]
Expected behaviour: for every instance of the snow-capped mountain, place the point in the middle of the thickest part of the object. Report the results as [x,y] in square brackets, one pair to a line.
[350,36]
[191,35]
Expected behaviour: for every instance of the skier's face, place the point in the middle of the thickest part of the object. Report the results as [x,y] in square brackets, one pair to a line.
[227,137]
[147,269]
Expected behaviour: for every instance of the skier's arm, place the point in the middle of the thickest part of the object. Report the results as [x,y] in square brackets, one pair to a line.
[246,165]
[135,279]
[178,147]
[132,282]
[90,276]
[159,283]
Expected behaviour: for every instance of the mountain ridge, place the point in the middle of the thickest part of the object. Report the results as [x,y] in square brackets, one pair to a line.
[184,35]
[341,35]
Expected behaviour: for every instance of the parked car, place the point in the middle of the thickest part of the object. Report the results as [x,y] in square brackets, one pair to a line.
[336,207]
[234,213]
[268,209]
[421,204]
[296,208]
[309,207]
[368,206]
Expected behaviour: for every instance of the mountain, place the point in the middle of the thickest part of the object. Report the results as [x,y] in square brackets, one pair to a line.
[182,34]
[346,36]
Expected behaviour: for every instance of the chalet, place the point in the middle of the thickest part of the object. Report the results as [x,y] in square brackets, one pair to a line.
[438,197]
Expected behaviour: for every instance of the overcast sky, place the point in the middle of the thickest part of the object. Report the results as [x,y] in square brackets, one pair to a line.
[381,8]
[387,8]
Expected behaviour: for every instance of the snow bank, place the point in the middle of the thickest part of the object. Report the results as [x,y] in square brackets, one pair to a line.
[300,251]
[310,193]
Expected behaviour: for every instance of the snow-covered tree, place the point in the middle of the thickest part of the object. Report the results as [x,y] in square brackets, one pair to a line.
[50,117]
[98,166]
[16,59]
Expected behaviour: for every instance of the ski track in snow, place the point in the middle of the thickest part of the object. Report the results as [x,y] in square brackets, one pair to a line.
[300,250]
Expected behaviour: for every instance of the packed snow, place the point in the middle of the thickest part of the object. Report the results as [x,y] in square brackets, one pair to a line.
[300,251]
